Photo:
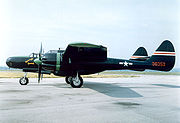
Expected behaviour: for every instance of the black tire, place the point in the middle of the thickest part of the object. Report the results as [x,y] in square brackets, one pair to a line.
[24,81]
[77,85]
[68,79]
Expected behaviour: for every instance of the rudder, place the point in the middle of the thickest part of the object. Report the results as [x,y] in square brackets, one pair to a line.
[164,57]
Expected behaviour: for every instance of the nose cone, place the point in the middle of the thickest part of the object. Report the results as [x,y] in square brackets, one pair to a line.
[9,62]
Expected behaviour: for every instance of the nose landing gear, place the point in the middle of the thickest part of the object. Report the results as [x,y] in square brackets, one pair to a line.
[24,80]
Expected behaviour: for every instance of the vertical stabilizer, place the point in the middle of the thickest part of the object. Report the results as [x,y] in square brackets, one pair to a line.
[164,57]
[140,54]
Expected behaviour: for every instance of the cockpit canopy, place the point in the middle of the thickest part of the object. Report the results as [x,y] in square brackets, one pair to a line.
[34,55]
[56,51]
[52,51]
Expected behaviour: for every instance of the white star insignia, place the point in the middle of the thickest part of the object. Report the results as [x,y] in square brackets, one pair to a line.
[126,63]
[121,63]
[130,63]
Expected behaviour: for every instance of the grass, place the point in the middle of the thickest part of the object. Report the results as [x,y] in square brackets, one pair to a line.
[19,74]
[106,74]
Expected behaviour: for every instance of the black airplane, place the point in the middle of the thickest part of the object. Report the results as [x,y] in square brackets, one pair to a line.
[85,58]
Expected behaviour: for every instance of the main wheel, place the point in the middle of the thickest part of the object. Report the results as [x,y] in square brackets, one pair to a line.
[68,79]
[24,81]
[76,82]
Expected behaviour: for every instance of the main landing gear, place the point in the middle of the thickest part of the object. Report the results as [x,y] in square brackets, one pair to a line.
[24,80]
[74,81]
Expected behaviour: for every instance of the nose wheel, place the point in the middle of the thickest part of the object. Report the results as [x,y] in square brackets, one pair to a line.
[24,80]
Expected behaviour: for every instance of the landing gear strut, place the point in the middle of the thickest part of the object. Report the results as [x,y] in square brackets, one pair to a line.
[75,81]
[24,80]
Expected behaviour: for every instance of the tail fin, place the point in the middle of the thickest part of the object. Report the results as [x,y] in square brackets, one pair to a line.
[164,57]
[140,55]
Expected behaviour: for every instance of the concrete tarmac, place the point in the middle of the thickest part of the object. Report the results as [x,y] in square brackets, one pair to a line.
[144,99]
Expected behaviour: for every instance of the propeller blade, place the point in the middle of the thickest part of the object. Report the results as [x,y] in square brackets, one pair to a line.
[40,52]
[39,73]
[41,76]
[39,62]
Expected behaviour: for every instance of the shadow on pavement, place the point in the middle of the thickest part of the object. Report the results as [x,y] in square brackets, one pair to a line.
[112,90]
[165,85]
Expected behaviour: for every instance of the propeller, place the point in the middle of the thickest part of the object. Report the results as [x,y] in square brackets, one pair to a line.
[38,61]
[39,72]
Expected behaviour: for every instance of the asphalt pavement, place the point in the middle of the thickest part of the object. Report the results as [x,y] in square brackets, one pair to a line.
[144,99]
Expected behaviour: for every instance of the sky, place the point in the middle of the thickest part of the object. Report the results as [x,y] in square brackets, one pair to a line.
[120,25]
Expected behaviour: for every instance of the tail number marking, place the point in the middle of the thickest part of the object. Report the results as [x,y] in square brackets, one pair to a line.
[161,64]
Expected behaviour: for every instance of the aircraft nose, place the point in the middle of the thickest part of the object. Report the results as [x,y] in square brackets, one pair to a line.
[9,62]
